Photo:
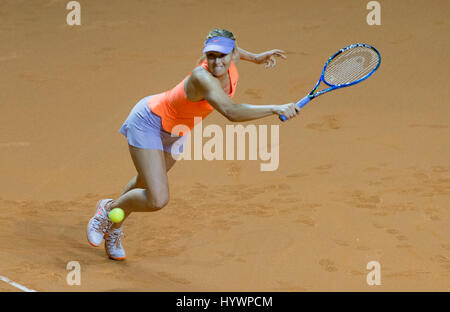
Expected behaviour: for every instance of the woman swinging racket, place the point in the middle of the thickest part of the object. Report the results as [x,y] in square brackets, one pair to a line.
[149,130]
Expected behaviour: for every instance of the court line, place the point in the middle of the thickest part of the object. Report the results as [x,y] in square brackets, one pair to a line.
[23,288]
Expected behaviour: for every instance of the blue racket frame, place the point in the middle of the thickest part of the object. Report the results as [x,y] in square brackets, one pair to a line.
[313,95]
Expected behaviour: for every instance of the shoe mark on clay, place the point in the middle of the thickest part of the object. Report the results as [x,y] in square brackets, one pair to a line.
[408,273]
[341,243]
[165,250]
[241,192]
[389,178]
[311,27]
[226,255]
[430,126]
[267,188]
[309,206]
[197,194]
[297,87]
[297,175]
[378,226]
[443,261]
[404,245]
[243,196]
[127,55]
[328,265]
[431,213]
[92,195]
[374,183]
[284,194]
[362,248]
[34,77]
[94,67]
[372,169]
[399,237]
[298,206]
[174,279]
[358,273]
[283,186]
[361,200]
[260,210]
[376,141]
[328,122]
[222,224]
[200,186]
[285,211]
[392,231]
[234,171]
[284,200]
[309,221]
[401,38]
[182,202]
[441,169]
[434,182]
[103,51]
[234,188]
[421,176]
[254,93]
[323,169]
[381,213]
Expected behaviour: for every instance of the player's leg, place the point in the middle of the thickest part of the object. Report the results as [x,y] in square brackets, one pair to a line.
[138,182]
[151,166]
[135,182]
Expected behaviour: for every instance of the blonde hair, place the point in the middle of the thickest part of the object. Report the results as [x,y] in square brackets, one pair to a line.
[217,32]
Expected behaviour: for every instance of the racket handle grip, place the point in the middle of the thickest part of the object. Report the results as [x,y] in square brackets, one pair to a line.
[299,104]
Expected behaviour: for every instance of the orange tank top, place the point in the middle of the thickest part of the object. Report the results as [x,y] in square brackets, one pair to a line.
[175,109]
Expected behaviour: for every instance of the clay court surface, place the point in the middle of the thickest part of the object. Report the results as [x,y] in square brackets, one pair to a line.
[364,172]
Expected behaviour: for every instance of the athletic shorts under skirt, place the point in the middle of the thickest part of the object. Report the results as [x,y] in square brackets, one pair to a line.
[143,129]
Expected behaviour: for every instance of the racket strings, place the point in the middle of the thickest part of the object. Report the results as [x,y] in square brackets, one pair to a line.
[351,65]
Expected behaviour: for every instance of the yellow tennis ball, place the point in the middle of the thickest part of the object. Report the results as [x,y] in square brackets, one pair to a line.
[116,215]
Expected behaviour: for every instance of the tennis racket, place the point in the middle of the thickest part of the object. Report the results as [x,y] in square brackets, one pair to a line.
[345,68]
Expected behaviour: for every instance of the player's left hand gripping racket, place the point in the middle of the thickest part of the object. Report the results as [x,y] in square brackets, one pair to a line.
[346,67]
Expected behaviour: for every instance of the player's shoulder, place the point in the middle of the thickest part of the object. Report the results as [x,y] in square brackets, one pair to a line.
[200,75]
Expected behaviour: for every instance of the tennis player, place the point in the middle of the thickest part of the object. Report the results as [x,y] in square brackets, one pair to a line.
[152,139]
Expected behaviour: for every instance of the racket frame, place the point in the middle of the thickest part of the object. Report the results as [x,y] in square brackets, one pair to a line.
[313,94]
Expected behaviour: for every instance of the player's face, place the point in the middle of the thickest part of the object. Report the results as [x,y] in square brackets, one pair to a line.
[218,63]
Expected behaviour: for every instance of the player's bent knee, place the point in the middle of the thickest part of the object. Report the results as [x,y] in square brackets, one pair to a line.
[158,202]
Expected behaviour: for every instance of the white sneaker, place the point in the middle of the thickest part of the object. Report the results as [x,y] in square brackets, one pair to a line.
[99,223]
[113,245]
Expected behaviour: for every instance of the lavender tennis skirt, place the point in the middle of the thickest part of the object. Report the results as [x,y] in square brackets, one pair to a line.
[143,129]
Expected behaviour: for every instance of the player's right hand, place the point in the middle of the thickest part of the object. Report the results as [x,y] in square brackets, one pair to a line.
[288,110]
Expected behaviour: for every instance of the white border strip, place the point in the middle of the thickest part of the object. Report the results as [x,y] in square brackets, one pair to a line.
[23,288]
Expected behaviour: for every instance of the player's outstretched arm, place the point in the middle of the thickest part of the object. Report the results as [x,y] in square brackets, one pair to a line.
[212,91]
[267,57]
